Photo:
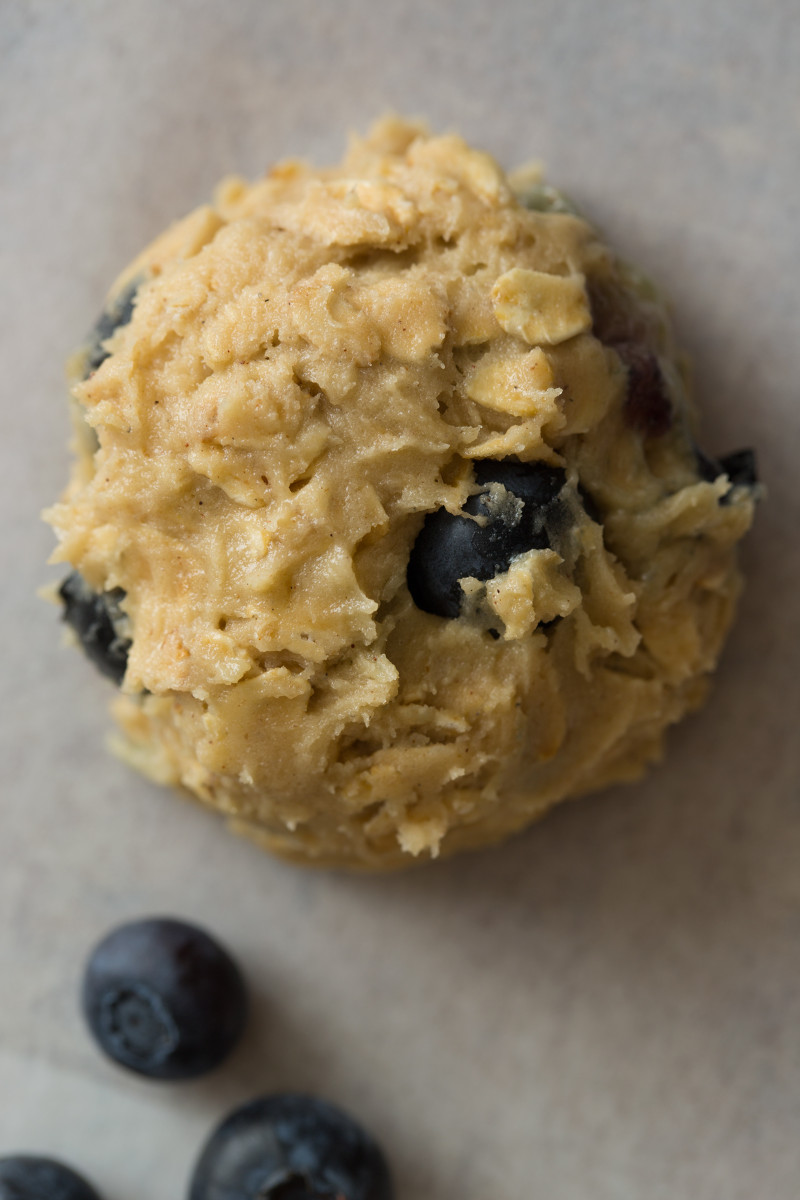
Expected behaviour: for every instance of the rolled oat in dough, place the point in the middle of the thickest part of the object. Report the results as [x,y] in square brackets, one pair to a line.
[387,509]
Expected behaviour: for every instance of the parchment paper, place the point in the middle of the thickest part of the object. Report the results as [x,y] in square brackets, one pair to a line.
[607,1007]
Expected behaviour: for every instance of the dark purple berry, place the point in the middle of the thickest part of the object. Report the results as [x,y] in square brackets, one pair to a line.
[290,1147]
[450,547]
[616,317]
[117,313]
[740,467]
[163,999]
[28,1177]
[96,618]
[647,408]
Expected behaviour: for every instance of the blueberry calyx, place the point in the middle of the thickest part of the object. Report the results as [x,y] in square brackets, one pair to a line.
[96,618]
[135,1017]
[520,514]
[290,1147]
[163,999]
[117,313]
[31,1177]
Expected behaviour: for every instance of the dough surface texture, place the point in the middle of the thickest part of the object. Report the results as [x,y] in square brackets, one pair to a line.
[296,377]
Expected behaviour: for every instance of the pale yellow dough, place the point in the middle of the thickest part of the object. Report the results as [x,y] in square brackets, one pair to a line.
[312,364]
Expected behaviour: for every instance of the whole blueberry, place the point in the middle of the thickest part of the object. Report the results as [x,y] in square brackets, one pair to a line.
[29,1177]
[117,313]
[290,1147]
[521,516]
[163,998]
[96,618]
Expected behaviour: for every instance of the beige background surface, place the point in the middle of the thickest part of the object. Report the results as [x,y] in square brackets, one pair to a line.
[608,1007]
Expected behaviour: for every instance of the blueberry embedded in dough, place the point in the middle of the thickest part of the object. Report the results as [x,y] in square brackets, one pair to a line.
[647,407]
[117,313]
[740,466]
[517,504]
[624,321]
[97,618]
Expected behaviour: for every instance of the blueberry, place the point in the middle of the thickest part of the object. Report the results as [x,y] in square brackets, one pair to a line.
[647,408]
[708,468]
[590,505]
[617,323]
[740,467]
[290,1147]
[117,313]
[28,1177]
[96,618]
[616,315]
[163,999]
[450,547]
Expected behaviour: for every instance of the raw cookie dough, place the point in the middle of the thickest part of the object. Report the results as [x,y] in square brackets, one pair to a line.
[387,494]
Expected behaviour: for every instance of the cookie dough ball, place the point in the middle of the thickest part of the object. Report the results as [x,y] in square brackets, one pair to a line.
[387,510]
